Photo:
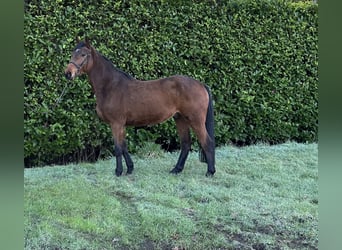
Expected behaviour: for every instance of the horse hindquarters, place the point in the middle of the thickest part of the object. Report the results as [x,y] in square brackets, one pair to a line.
[198,111]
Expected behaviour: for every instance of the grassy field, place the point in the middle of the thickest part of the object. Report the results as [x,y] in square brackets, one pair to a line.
[261,197]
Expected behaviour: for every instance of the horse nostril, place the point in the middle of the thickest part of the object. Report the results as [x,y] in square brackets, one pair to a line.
[68,75]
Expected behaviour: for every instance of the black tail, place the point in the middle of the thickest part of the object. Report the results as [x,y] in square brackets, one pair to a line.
[209,124]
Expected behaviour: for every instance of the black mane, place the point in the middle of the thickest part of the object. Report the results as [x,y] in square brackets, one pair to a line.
[117,69]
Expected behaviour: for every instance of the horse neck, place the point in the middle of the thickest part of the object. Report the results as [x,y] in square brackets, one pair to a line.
[100,73]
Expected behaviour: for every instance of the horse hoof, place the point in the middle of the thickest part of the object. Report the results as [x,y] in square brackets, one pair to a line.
[118,173]
[175,171]
[129,171]
[210,174]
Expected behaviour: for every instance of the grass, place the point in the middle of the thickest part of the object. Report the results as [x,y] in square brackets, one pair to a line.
[261,197]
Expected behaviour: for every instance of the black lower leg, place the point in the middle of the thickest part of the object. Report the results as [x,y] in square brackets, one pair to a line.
[181,161]
[128,159]
[183,130]
[185,148]
[209,152]
[118,155]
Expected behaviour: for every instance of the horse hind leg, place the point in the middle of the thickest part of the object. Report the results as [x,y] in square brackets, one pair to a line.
[183,130]
[208,147]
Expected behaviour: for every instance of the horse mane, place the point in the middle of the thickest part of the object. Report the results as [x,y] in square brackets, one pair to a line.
[128,76]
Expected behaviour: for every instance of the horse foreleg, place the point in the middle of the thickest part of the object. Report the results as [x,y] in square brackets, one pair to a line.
[118,134]
[183,130]
[128,160]
[118,155]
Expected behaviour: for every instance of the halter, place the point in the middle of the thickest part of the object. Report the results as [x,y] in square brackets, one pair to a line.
[85,60]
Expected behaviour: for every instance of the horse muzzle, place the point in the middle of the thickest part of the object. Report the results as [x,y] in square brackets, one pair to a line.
[68,75]
[70,72]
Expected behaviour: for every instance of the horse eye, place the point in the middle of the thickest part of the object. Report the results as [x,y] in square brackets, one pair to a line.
[83,55]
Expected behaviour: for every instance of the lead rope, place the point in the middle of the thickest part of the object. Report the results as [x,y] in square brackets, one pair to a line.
[61,95]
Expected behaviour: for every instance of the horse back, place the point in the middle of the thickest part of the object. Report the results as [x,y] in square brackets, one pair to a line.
[141,103]
[177,91]
[152,102]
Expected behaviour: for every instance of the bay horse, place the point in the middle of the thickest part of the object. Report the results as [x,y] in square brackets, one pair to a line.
[122,100]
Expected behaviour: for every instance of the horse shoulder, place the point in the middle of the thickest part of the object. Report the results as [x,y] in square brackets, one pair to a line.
[109,103]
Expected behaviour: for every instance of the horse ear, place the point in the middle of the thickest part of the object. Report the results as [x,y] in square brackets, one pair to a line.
[87,42]
[79,34]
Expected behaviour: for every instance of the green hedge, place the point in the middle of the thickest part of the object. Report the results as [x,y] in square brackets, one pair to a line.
[260,59]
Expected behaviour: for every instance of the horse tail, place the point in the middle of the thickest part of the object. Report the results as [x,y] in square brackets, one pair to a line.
[209,124]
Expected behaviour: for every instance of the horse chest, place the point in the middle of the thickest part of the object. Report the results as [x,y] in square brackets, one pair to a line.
[100,113]
[105,113]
